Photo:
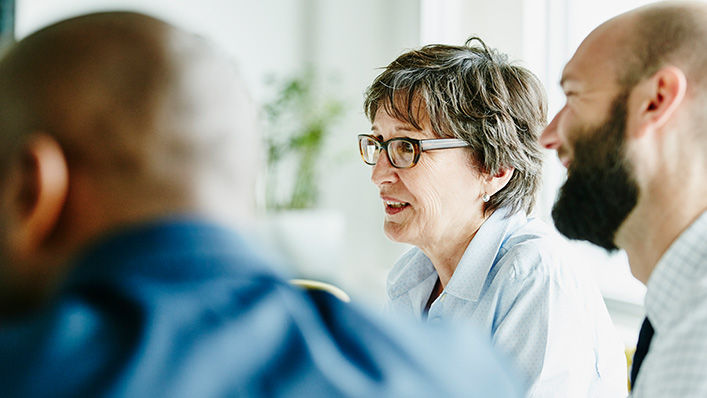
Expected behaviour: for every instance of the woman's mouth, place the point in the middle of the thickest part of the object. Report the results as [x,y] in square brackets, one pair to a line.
[392,207]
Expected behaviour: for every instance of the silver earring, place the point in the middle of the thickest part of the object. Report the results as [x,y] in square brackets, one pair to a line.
[486,198]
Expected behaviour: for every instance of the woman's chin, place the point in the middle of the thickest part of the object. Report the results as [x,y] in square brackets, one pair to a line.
[396,232]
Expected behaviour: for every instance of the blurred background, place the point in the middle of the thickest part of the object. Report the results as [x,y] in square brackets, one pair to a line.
[308,63]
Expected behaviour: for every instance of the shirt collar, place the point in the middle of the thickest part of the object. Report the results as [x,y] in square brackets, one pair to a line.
[479,257]
[414,268]
[411,271]
[677,269]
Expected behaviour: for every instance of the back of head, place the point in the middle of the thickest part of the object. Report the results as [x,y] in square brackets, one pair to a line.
[475,94]
[145,120]
[146,112]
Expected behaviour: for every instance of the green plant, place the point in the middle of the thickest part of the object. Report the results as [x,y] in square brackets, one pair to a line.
[298,120]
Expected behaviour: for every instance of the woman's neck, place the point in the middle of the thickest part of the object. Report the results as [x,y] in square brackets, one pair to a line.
[445,254]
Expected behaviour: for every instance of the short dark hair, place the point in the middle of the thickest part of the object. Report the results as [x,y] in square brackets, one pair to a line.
[475,94]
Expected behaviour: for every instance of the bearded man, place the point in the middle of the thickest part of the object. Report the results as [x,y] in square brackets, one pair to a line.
[633,136]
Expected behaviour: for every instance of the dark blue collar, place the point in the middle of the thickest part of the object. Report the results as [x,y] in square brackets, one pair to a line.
[150,250]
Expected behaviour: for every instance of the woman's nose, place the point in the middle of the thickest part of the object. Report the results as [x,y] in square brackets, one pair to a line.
[383,172]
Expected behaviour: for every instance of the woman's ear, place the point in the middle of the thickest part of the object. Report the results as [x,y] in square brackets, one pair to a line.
[38,190]
[496,182]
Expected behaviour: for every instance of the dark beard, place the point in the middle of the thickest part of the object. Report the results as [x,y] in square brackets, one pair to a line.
[600,191]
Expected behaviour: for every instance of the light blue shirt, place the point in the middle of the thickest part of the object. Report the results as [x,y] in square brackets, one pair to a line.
[517,282]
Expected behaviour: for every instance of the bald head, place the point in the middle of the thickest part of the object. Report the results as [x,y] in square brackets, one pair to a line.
[656,35]
[110,119]
[145,109]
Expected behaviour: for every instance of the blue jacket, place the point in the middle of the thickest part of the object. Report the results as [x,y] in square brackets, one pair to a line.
[182,308]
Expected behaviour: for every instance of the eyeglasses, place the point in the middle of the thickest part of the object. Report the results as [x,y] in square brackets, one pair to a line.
[403,152]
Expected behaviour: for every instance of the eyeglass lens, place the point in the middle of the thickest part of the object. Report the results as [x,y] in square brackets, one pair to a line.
[401,153]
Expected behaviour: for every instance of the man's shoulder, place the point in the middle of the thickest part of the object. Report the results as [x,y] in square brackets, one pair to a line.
[279,341]
[199,327]
[676,364]
[419,359]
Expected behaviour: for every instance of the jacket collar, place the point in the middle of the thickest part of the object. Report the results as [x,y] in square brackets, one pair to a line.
[149,250]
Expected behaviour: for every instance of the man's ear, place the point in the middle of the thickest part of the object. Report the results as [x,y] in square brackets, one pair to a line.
[41,185]
[660,96]
[495,183]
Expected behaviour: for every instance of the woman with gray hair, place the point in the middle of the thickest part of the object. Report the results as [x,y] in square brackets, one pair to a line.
[459,126]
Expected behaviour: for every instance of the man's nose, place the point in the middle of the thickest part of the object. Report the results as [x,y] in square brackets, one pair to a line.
[383,172]
[549,138]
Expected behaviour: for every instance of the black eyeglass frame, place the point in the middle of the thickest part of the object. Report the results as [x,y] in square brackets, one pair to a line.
[418,146]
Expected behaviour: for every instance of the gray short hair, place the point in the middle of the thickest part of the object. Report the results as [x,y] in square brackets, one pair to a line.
[473,93]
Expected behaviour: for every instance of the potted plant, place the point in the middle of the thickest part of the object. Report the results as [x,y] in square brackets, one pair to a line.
[298,120]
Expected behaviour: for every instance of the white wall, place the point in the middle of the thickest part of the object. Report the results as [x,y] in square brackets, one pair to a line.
[264,37]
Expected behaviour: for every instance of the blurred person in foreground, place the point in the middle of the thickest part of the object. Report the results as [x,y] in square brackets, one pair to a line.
[633,136]
[127,150]
[455,156]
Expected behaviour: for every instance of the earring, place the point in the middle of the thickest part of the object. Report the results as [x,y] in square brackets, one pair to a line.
[486,198]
